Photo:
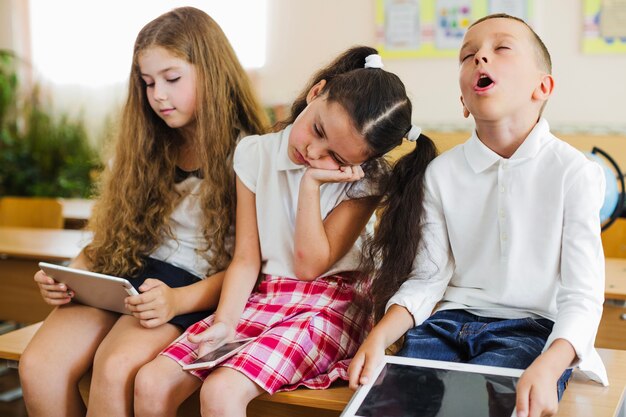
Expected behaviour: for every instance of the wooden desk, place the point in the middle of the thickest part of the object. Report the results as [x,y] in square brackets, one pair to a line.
[586,399]
[21,249]
[615,279]
[612,330]
[76,212]
[582,397]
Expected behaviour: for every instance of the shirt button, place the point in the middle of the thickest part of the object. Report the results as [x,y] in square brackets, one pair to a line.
[503,237]
[501,213]
[502,188]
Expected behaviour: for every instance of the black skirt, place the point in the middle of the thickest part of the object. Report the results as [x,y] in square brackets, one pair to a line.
[174,277]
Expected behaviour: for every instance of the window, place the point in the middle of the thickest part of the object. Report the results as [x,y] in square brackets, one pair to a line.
[90,43]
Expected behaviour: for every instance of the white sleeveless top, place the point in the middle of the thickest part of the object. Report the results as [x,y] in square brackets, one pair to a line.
[186,225]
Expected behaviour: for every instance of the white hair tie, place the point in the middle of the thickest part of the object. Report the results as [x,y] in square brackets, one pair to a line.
[414,133]
[373,61]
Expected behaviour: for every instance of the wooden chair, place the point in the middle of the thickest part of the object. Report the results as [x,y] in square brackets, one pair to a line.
[31,212]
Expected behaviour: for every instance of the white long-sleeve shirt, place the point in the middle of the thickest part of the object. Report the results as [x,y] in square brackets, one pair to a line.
[513,238]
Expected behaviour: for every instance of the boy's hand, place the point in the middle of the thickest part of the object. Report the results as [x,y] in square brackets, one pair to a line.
[53,293]
[156,304]
[212,338]
[343,174]
[537,388]
[537,391]
[366,360]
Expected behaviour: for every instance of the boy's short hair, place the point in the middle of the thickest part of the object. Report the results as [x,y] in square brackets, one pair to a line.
[543,55]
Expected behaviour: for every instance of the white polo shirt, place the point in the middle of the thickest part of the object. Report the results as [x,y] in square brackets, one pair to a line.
[262,164]
[513,238]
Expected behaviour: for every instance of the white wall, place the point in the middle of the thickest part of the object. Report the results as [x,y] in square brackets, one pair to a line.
[590,90]
[15,33]
[306,34]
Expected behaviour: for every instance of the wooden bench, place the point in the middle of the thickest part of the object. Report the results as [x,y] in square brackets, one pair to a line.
[582,398]
[301,402]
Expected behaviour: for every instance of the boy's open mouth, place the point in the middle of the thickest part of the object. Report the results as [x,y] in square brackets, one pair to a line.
[484,81]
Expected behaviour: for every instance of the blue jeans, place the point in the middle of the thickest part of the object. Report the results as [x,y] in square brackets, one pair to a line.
[459,336]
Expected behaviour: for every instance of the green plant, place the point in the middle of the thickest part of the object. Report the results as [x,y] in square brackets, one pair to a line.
[40,154]
[8,91]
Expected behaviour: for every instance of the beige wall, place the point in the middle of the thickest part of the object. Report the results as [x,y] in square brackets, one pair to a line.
[590,90]
[14,32]
[306,34]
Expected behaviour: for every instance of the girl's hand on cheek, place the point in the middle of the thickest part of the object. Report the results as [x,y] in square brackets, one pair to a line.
[352,173]
[343,174]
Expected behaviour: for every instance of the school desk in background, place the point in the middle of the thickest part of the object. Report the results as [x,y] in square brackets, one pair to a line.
[21,249]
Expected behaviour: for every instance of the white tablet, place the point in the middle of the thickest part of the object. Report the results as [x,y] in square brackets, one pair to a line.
[93,289]
[407,387]
[218,355]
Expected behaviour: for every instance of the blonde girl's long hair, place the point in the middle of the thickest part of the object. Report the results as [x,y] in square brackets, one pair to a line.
[137,193]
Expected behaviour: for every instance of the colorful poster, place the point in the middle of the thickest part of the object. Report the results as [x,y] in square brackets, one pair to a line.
[453,19]
[604,27]
[434,28]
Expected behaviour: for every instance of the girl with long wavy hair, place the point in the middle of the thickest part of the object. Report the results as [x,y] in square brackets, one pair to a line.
[164,218]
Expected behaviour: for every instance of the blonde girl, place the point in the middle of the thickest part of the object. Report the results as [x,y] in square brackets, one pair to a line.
[164,219]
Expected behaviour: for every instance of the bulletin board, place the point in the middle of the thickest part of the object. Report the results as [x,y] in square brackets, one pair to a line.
[435,28]
[604,27]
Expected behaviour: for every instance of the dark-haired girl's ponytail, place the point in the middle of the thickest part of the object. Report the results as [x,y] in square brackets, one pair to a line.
[389,255]
[351,59]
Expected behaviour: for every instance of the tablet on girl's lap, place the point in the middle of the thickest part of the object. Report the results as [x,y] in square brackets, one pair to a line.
[407,387]
[92,289]
[219,355]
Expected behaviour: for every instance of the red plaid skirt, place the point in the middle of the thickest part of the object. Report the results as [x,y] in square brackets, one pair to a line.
[311,330]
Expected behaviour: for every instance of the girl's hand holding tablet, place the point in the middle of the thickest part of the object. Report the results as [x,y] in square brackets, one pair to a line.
[53,293]
[155,305]
[219,355]
[212,338]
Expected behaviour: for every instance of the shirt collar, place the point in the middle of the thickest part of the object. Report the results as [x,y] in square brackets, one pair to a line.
[480,157]
[283,162]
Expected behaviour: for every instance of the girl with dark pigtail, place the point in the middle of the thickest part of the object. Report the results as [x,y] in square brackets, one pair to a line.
[304,197]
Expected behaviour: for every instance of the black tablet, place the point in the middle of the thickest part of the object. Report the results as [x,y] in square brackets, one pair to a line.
[407,387]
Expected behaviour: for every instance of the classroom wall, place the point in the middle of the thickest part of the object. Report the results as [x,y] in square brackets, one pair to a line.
[590,92]
[304,35]
[14,31]
[590,95]
[8,31]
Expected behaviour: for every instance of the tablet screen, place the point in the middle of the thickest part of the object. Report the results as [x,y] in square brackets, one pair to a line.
[414,391]
[222,352]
